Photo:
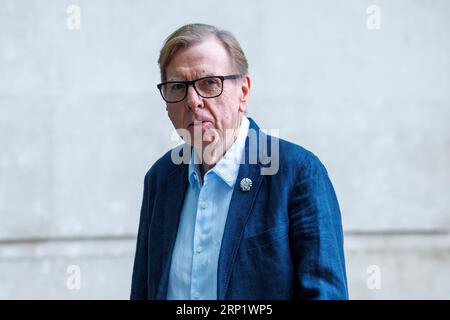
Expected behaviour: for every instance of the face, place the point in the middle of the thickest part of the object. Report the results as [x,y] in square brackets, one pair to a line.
[209,117]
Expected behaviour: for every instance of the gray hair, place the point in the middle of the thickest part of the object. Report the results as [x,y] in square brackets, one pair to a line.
[190,34]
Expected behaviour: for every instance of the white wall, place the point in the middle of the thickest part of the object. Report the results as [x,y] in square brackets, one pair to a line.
[81,121]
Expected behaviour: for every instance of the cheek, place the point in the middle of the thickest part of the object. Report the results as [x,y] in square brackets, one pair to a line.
[229,107]
[222,112]
[176,116]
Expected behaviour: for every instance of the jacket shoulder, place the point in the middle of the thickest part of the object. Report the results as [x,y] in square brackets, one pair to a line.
[166,164]
[294,157]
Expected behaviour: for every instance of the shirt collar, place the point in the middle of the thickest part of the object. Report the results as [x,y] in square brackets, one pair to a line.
[227,168]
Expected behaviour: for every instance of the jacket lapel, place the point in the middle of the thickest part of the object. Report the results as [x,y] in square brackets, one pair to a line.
[168,222]
[240,208]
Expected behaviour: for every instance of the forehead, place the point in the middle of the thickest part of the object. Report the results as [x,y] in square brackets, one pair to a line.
[206,58]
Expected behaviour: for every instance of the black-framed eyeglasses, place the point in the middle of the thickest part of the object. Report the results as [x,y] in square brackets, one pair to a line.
[206,87]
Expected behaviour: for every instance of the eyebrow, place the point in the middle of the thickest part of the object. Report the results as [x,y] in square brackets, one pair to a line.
[206,75]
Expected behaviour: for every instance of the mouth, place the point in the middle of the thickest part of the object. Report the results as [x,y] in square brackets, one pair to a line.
[200,123]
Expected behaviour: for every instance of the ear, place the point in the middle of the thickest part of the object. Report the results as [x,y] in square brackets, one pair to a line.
[244,92]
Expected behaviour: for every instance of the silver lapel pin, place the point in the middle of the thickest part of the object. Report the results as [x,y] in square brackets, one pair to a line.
[246,184]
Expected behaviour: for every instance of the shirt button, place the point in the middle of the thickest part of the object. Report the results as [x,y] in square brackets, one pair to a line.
[203,205]
[196,295]
[198,249]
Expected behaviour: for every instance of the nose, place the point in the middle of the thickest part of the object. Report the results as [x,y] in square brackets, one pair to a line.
[193,100]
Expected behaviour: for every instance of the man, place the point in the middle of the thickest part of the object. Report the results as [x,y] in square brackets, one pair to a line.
[219,225]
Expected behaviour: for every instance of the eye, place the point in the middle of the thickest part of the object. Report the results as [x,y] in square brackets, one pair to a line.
[211,82]
[177,86]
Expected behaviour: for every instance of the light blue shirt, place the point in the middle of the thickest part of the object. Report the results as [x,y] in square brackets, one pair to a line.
[195,257]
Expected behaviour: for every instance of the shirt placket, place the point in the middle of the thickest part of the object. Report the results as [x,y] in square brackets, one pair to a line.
[198,255]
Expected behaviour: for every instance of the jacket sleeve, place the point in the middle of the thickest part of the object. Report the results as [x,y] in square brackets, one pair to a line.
[140,269]
[316,234]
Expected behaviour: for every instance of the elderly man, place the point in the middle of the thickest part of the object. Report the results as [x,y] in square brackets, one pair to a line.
[225,223]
